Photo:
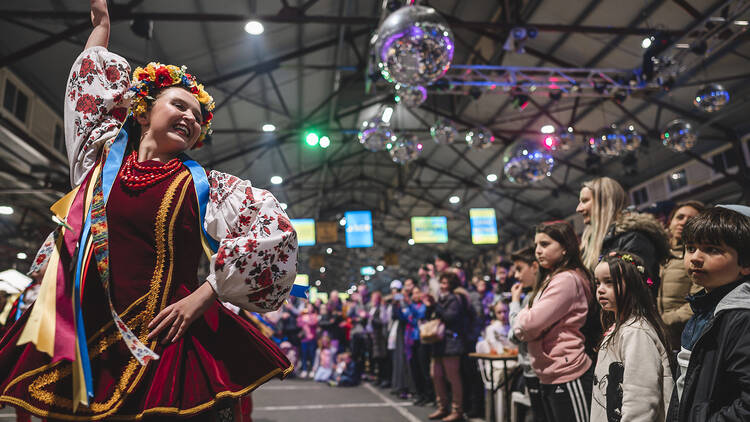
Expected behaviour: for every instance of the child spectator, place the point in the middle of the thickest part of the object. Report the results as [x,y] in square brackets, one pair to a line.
[308,322]
[552,322]
[526,271]
[633,375]
[346,372]
[714,359]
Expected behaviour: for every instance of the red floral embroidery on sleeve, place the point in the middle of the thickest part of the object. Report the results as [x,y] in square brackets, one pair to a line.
[88,104]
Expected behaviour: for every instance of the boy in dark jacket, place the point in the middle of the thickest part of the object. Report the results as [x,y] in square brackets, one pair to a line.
[714,384]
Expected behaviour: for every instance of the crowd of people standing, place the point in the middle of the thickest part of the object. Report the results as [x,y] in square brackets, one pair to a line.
[596,323]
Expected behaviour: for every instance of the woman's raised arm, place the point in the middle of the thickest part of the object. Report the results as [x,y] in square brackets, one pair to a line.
[100,19]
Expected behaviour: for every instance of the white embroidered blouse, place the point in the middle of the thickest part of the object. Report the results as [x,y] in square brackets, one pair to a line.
[256,262]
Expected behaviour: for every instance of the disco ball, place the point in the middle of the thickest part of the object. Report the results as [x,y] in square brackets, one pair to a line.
[444,131]
[679,136]
[608,142]
[414,46]
[374,134]
[405,149]
[411,96]
[480,138]
[526,162]
[711,97]
[633,139]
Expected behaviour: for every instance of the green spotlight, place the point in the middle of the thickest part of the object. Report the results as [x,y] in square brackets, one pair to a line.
[312,139]
[325,142]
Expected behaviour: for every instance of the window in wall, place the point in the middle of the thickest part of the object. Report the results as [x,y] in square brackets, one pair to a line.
[15,101]
[677,180]
[640,196]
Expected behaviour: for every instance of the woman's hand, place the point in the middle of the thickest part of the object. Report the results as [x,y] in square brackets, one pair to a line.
[515,292]
[178,316]
[100,19]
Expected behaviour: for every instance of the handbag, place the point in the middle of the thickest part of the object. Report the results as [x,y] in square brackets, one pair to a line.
[432,331]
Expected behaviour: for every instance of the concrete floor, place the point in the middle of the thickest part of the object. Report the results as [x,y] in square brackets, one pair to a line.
[296,400]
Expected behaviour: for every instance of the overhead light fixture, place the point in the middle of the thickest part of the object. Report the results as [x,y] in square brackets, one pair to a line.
[268,127]
[492,177]
[548,129]
[646,42]
[277,180]
[410,241]
[520,101]
[387,114]
[312,139]
[322,269]
[325,142]
[6,210]
[342,222]
[21,255]
[329,251]
[380,268]
[570,129]
[254,28]
[454,199]
[317,283]
[741,23]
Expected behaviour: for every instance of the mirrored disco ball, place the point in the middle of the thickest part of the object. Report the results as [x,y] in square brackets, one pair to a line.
[608,142]
[411,96]
[480,137]
[711,97]
[374,134]
[444,131]
[414,46]
[566,140]
[679,136]
[405,149]
[633,139]
[526,162]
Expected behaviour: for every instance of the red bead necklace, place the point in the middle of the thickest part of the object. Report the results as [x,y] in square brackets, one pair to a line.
[136,177]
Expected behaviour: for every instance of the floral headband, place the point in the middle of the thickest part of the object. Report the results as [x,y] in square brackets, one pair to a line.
[629,259]
[157,76]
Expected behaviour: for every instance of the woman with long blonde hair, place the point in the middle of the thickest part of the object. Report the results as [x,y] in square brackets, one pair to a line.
[609,227]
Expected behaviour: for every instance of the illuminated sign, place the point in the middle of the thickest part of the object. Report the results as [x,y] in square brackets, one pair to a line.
[305,228]
[358,229]
[429,229]
[483,226]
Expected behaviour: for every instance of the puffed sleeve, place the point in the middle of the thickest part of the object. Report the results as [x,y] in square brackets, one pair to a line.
[94,107]
[256,263]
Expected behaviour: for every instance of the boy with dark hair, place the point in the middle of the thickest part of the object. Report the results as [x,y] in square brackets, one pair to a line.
[714,384]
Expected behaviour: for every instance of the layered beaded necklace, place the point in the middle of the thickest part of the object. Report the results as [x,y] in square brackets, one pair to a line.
[137,177]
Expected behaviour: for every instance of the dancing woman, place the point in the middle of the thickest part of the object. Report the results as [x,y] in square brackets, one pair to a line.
[122,328]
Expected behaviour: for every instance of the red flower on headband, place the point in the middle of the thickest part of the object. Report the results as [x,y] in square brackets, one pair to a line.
[208,117]
[163,78]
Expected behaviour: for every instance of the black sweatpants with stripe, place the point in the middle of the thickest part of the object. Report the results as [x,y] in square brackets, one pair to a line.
[569,402]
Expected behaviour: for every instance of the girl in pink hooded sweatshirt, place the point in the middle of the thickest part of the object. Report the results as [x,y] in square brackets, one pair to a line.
[551,324]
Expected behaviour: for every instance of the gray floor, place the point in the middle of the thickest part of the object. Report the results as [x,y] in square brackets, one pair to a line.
[306,401]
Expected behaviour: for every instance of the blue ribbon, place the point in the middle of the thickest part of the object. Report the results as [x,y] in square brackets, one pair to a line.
[111,167]
[20,303]
[200,182]
[299,291]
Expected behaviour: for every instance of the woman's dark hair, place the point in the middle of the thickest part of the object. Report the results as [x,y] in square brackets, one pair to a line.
[720,226]
[697,205]
[562,233]
[524,255]
[633,297]
[451,278]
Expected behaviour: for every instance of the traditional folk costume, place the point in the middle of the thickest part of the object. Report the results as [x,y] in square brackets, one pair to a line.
[128,245]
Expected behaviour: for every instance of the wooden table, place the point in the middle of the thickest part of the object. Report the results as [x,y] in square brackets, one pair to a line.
[487,369]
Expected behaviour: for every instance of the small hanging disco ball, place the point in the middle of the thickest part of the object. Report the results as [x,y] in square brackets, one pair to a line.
[444,131]
[411,96]
[414,46]
[406,148]
[609,142]
[633,139]
[679,136]
[480,138]
[711,97]
[526,162]
[374,134]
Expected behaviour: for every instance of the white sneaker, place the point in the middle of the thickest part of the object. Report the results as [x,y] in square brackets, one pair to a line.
[303,374]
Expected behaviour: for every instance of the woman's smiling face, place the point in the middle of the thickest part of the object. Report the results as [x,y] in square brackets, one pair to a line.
[174,120]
